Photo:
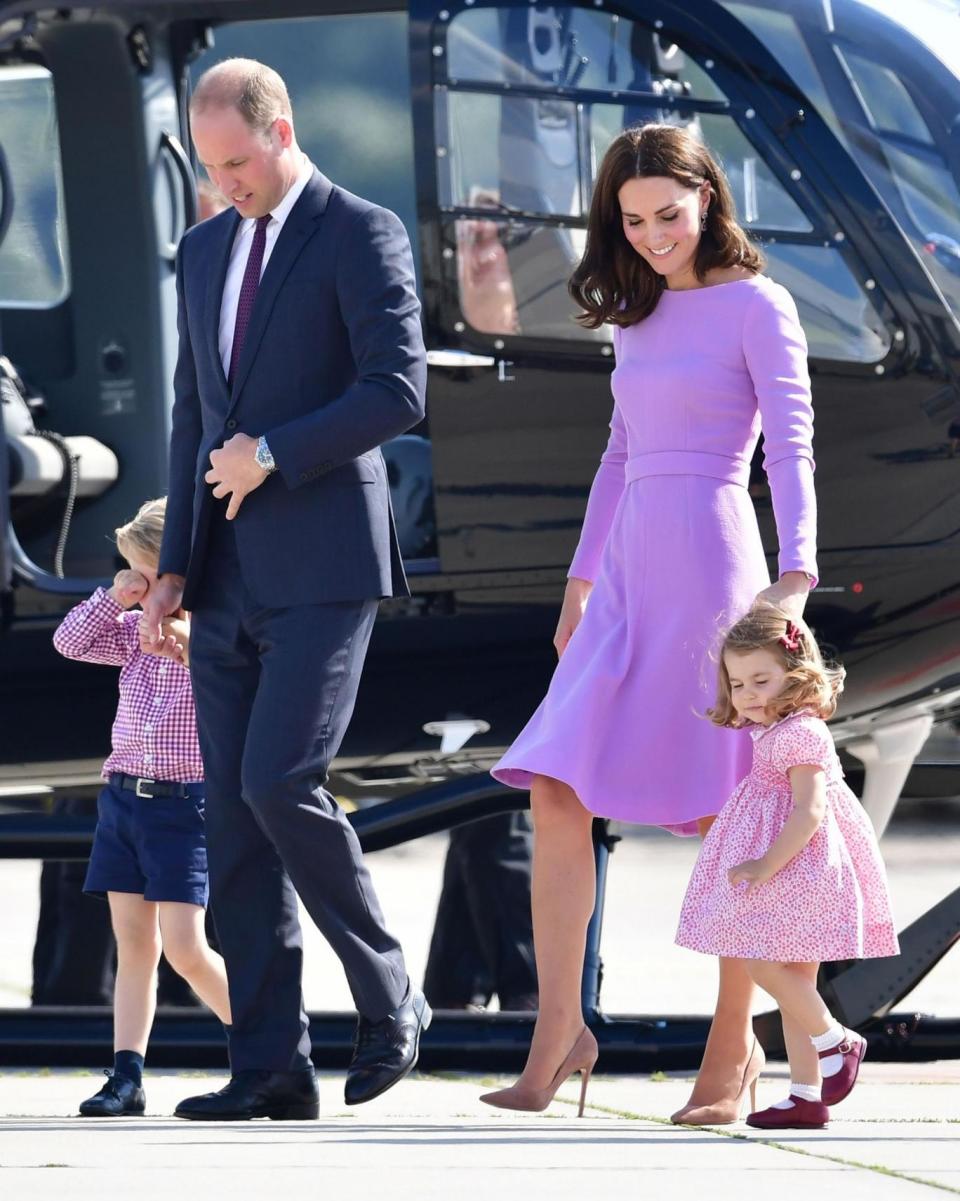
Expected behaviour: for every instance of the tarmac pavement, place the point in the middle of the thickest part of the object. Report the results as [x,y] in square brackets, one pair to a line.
[897,1136]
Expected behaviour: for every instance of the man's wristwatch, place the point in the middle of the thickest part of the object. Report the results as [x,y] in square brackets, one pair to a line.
[263,456]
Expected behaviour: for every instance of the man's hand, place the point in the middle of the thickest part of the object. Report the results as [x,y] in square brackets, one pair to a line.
[235,472]
[129,588]
[165,599]
[752,873]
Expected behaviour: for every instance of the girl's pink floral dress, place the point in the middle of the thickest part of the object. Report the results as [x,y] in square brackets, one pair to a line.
[829,902]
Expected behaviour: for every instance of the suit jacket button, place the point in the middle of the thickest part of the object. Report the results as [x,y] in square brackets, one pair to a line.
[231,424]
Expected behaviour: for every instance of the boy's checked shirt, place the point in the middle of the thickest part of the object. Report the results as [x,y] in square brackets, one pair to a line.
[155,730]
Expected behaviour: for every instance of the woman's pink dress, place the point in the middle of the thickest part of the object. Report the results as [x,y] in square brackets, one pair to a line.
[671,543]
[829,902]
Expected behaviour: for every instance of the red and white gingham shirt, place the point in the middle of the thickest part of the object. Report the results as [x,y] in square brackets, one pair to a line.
[155,730]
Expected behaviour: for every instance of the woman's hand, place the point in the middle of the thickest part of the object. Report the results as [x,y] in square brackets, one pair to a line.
[575,598]
[788,593]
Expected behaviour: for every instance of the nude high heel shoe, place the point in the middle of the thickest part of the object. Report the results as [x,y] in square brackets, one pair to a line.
[726,1110]
[582,1057]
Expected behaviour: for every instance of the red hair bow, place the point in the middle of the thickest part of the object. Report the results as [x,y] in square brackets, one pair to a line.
[790,641]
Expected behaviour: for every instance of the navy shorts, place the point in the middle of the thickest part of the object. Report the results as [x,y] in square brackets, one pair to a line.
[155,847]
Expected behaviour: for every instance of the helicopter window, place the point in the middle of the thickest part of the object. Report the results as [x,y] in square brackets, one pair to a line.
[869,107]
[925,186]
[570,47]
[33,255]
[512,276]
[838,316]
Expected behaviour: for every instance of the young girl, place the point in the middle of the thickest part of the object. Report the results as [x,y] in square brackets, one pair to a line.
[790,873]
[149,854]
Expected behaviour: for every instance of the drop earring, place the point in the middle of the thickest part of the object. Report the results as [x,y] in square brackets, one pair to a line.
[703,219]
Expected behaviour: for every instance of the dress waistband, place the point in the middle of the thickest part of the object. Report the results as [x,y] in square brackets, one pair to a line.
[688,462]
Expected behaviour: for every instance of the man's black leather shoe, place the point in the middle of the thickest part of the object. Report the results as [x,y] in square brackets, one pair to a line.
[256,1093]
[384,1052]
[120,1097]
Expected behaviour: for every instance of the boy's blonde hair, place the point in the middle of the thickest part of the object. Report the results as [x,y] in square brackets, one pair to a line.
[810,684]
[144,534]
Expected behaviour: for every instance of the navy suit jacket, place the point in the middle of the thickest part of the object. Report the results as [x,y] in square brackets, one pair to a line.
[333,366]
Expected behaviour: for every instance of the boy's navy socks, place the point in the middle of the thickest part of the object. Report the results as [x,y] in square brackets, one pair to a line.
[129,1064]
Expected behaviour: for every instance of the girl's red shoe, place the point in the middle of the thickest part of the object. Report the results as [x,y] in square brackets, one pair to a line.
[804,1115]
[837,1087]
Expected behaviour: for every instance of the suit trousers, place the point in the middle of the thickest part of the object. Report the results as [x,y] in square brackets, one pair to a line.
[275,689]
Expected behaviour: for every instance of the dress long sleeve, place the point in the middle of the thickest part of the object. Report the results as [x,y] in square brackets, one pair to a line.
[605,493]
[775,350]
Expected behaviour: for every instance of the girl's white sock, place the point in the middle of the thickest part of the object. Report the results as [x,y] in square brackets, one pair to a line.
[824,1042]
[806,1092]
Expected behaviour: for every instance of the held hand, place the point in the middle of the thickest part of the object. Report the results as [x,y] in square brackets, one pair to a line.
[788,593]
[575,598]
[169,646]
[129,588]
[235,472]
[164,599]
[753,873]
[177,630]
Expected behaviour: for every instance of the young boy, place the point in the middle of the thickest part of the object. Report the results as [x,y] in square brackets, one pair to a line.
[149,854]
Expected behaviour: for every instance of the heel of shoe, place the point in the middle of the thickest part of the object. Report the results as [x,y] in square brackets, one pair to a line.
[585,1075]
[307,1111]
[753,1096]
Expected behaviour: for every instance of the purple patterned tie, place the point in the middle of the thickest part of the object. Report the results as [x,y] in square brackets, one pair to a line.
[248,292]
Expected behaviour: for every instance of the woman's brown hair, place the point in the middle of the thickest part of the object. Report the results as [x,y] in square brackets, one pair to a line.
[810,684]
[612,282]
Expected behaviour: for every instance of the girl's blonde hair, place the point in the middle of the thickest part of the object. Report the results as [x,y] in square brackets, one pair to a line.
[810,684]
[144,534]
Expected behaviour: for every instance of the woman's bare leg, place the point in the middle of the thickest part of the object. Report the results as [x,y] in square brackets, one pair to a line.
[563,894]
[137,932]
[730,1041]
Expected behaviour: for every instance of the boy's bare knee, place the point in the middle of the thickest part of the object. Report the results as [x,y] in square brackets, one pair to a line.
[185,956]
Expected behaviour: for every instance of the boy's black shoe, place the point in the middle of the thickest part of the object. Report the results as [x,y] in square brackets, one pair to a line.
[255,1093]
[120,1097]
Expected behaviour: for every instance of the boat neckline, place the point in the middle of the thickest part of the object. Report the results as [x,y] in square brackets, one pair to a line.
[749,279]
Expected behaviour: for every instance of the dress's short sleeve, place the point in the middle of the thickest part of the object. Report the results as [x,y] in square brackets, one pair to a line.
[804,741]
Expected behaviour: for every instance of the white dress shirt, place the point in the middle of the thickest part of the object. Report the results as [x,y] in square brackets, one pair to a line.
[241,252]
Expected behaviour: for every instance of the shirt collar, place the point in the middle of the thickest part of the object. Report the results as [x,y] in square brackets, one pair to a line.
[285,207]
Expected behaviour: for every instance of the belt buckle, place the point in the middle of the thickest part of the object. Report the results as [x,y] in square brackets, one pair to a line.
[141,780]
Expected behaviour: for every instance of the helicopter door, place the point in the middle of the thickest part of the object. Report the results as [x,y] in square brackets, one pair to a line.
[87,294]
[513,110]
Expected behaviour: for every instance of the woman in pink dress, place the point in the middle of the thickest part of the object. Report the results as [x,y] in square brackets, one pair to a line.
[790,873]
[708,351]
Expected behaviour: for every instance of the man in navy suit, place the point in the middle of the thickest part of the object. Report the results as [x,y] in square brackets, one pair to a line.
[300,354]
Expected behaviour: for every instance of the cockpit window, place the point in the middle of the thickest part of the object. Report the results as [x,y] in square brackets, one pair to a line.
[928,192]
[570,48]
[33,255]
[873,107]
[528,101]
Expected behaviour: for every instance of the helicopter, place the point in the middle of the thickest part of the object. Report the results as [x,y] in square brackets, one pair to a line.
[482,123]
